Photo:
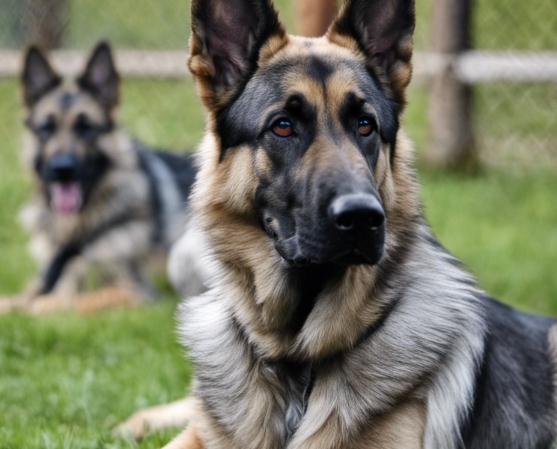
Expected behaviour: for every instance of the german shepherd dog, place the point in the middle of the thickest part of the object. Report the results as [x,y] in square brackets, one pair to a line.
[100,198]
[336,319]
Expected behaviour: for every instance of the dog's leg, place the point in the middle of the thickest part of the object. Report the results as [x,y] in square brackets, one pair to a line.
[64,292]
[123,251]
[174,414]
[23,300]
[87,302]
[70,282]
[188,439]
[106,298]
[11,304]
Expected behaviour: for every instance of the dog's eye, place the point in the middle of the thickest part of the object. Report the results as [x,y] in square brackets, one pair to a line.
[283,128]
[83,127]
[46,130]
[366,126]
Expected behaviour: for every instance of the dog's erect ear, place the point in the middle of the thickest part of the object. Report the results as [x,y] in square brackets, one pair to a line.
[383,30]
[100,77]
[38,77]
[227,36]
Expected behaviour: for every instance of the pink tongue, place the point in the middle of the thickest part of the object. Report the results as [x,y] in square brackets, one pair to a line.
[65,198]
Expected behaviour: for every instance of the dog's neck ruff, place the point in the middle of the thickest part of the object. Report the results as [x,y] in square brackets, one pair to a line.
[426,347]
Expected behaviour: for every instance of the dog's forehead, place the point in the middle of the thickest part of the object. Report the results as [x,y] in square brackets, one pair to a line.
[326,77]
[67,101]
[321,71]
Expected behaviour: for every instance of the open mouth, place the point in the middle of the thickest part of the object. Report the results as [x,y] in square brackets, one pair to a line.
[65,197]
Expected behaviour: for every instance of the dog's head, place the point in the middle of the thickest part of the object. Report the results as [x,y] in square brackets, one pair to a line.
[67,123]
[305,129]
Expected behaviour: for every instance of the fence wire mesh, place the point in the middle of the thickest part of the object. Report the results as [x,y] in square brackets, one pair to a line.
[514,121]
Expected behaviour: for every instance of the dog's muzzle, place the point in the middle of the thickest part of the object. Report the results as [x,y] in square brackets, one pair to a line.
[63,167]
[65,191]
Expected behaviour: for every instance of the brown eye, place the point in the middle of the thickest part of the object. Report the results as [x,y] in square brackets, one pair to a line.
[83,127]
[283,128]
[366,126]
[46,130]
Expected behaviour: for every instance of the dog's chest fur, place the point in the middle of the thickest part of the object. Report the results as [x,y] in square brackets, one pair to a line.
[385,379]
[281,404]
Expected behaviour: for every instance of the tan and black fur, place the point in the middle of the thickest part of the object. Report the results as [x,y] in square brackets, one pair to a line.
[101,199]
[335,319]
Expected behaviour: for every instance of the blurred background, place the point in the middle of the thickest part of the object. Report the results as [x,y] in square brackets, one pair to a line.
[482,112]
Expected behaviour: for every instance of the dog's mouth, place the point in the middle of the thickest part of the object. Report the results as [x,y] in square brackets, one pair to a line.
[353,257]
[66,197]
[348,230]
[367,252]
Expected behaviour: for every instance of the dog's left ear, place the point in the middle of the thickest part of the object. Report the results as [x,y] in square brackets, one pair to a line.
[100,77]
[38,77]
[382,30]
[226,40]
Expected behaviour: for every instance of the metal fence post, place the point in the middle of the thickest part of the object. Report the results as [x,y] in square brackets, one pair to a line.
[43,22]
[451,140]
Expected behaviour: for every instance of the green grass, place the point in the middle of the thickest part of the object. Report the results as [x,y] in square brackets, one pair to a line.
[15,265]
[66,380]
[502,225]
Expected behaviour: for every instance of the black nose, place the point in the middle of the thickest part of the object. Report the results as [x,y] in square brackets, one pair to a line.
[357,212]
[63,167]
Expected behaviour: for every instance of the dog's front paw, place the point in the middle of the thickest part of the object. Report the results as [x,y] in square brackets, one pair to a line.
[48,303]
[11,304]
[174,414]
[135,427]
[35,306]
[6,305]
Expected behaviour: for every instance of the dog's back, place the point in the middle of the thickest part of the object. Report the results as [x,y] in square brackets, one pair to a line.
[514,403]
[183,170]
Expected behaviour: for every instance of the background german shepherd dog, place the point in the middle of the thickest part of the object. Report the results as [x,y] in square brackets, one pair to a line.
[100,197]
[336,319]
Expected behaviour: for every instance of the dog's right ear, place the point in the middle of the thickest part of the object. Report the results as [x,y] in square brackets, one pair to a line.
[227,36]
[382,30]
[37,77]
[101,77]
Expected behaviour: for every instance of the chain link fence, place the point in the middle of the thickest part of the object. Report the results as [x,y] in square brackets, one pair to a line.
[512,72]
[513,117]
[516,122]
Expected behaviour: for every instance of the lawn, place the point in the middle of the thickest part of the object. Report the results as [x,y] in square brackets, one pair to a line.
[66,380]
